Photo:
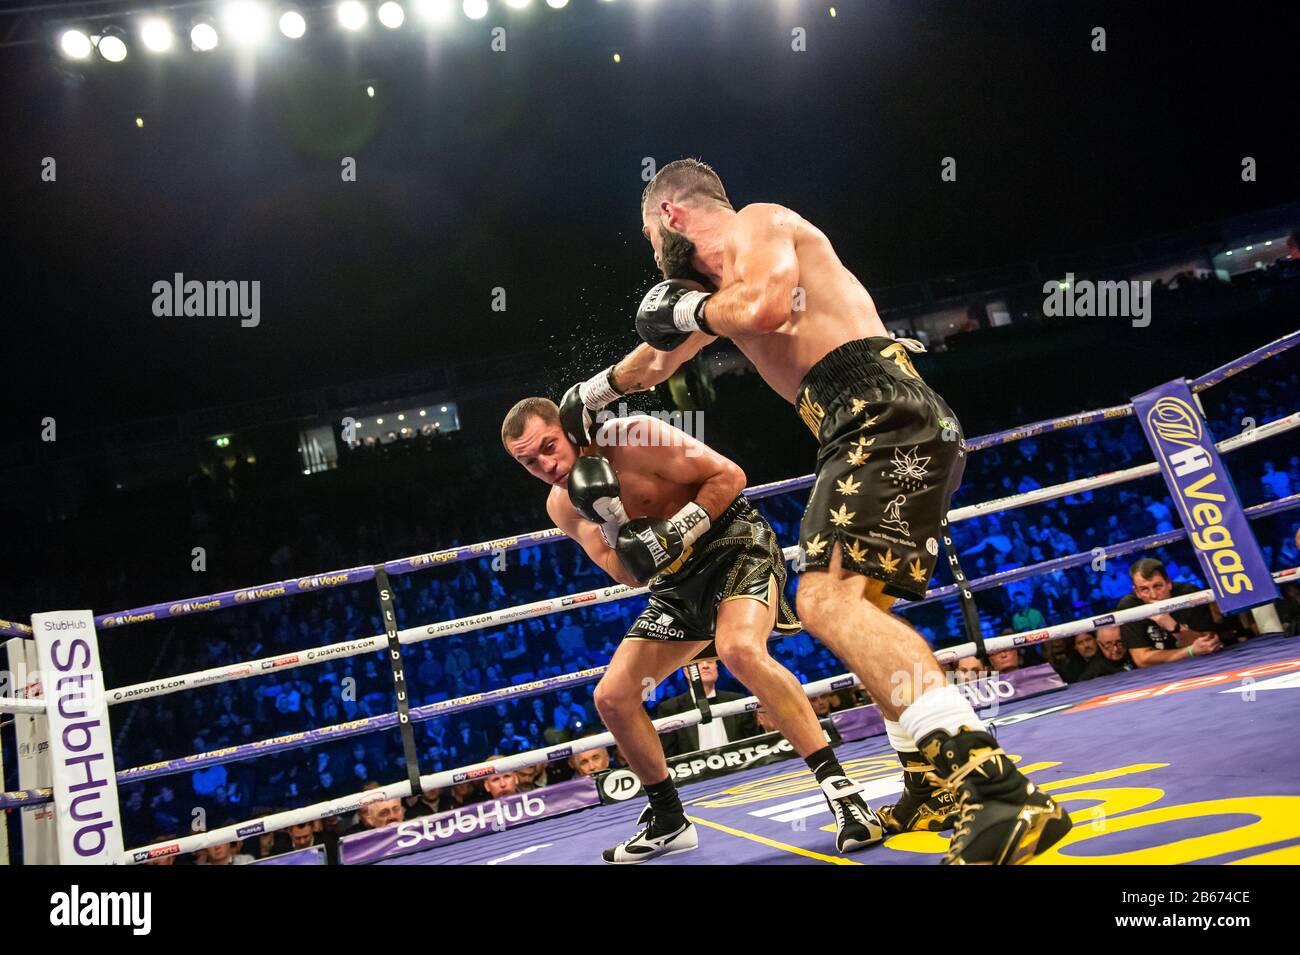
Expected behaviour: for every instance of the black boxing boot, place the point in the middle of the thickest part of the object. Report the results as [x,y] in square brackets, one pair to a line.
[924,806]
[856,825]
[1002,818]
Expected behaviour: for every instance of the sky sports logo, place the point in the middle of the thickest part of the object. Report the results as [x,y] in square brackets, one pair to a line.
[77,908]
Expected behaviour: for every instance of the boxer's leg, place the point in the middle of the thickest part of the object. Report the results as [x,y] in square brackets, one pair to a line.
[743,626]
[844,611]
[638,666]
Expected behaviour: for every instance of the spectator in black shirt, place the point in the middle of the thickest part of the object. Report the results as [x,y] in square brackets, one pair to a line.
[1111,656]
[1073,655]
[1165,638]
[428,803]
[694,738]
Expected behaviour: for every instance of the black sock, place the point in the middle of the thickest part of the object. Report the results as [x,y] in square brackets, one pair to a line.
[664,801]
[824,764]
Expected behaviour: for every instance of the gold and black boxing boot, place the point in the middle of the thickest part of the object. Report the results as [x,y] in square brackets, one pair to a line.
[1002,818]
[923,807]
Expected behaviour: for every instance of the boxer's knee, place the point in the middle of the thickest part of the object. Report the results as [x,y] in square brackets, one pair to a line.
[612,698]
[743,655]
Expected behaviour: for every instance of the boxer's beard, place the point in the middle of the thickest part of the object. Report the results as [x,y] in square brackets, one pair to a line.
[676,255]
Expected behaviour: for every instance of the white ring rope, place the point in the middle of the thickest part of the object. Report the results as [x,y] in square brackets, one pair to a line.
[563,604]
[668,724]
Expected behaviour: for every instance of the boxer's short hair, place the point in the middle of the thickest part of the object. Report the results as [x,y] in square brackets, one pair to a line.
[517,417]
[685,180]
[1147,568]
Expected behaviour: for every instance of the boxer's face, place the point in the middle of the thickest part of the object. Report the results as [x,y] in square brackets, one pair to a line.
[674,253]
[544,452]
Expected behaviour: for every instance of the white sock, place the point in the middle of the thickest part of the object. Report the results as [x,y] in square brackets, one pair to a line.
[898,737]
[943,708]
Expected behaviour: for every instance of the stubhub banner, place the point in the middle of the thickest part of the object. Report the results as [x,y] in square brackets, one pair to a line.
[467,822]
[1203,493]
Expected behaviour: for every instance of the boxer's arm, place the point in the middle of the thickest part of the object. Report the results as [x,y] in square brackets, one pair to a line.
[587,534]
[644,367]
[765,269]
[656,447]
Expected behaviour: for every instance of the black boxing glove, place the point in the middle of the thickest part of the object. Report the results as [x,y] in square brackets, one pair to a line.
[581,404]
[670,312]
[594,493]
[648,545]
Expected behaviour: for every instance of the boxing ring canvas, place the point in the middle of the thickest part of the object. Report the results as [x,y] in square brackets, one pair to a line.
[1187,764]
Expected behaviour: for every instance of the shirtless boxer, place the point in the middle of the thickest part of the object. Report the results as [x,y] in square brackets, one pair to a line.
[650,503]
[891,455]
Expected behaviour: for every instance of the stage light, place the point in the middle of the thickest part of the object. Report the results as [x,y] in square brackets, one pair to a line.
[618,58]
[392,15]
[75,44]
[352,15]
[112,46]
[433,11]
[156,35]
[292,24]
[379,421]
[203,35]
[518,4]
[423,412]
[475,9]
[557,4]
[246,22]
[370,91]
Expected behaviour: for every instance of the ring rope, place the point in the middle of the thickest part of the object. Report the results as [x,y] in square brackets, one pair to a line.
[340,578]
[282,662]
[536,687]
[537,757]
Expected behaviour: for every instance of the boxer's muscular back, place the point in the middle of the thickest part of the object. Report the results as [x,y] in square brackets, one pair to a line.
[836,307]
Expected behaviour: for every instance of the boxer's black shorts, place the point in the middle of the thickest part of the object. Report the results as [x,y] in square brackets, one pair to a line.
[892,454]
[739,556]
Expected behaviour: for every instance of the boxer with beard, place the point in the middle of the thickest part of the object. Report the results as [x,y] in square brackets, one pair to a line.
[891,454]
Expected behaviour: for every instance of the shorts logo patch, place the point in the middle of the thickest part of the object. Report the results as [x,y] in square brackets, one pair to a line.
[888,562]
[893,518]
[910,468]
[848,486]
[857,553]
[898,355]
[932,546]
[857,406]
[812,414]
